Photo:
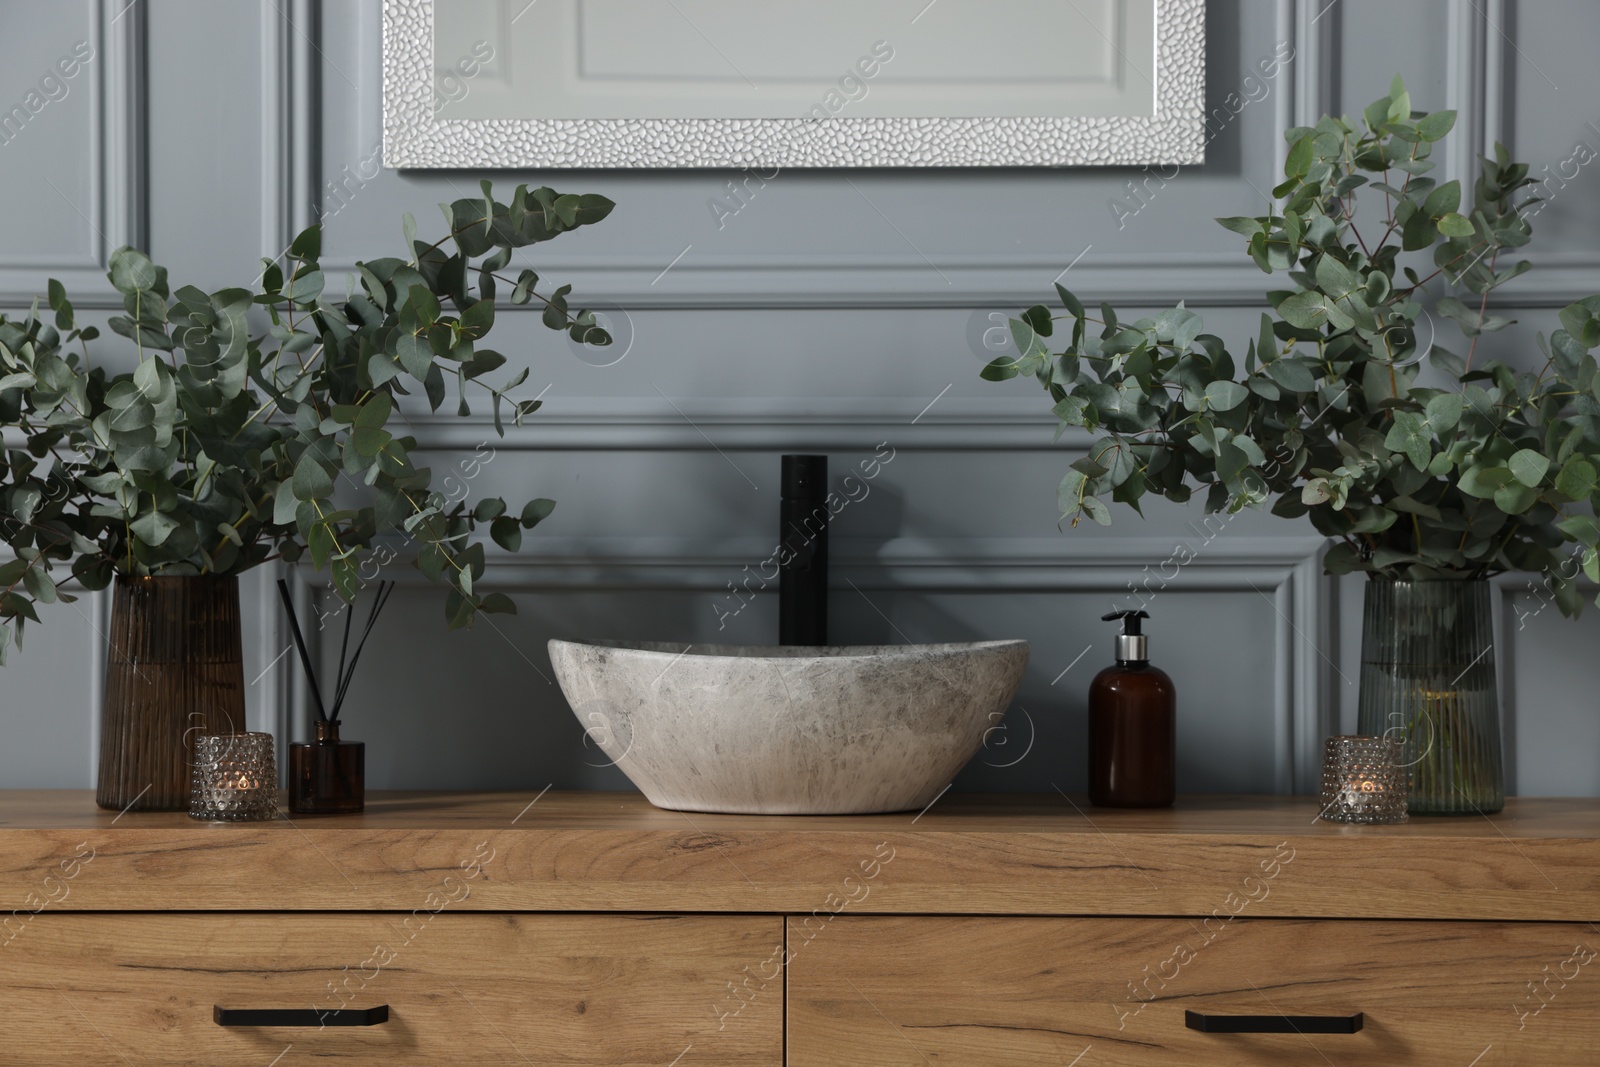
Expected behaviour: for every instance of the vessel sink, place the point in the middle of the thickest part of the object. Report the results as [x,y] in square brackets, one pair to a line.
[789,730]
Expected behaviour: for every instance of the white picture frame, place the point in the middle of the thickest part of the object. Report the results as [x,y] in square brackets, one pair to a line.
[1168,127]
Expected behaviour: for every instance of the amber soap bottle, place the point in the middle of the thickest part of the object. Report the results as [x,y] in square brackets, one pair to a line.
[1132,726]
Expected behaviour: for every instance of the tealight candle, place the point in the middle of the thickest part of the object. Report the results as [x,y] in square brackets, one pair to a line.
[235,777]
[1362,780]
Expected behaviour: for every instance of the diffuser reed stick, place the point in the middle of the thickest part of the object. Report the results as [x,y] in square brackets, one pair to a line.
[300,644]
[347,667]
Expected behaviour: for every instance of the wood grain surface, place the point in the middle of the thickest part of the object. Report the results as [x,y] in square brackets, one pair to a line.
[1010,992]
[968,854]
[628,991]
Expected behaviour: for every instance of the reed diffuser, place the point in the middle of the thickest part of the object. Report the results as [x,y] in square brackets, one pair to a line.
[328,776]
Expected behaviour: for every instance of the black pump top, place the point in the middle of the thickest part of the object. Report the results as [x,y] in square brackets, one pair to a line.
[805,476]
[1132,646]
[1130,621]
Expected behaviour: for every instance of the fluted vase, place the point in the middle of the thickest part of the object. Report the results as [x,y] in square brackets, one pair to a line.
[174,672]
[1428,681]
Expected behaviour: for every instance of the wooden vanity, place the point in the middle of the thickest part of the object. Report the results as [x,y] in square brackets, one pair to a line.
[592,928]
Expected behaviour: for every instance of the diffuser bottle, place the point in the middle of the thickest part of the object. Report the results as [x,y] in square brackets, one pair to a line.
[1132,726]
[327,776]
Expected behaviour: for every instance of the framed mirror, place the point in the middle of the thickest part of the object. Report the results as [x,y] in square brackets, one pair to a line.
[786,83]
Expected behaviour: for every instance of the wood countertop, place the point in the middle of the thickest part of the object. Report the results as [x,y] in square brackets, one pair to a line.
[988,854]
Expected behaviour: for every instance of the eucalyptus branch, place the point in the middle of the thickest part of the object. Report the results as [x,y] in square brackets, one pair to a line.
[340,367]
[1483,308]
[1366,441]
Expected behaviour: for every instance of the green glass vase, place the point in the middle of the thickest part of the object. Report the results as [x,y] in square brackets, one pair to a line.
[1428,681]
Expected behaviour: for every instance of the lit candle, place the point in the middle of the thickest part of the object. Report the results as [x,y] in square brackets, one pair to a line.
[1362,781]
[1361,791]
[235,777]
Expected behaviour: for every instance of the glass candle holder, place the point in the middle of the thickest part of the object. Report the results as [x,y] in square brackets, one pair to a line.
[327,776]
[1363,780]
[235,777]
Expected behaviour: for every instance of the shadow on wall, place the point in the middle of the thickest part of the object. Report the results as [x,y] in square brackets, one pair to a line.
[480,709]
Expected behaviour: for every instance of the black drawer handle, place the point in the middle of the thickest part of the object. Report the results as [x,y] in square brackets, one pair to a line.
[1273,1024]
[299,1016]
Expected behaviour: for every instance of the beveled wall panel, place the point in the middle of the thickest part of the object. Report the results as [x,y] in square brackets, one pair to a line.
[803,311]
[71,144]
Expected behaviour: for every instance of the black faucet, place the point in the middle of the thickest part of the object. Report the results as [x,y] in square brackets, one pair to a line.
[803,558]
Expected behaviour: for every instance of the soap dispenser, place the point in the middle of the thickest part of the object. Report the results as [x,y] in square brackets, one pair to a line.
[1132,726]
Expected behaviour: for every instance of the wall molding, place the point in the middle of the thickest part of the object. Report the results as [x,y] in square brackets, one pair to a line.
[730,282]
[94,608]
[907,281]
[1473,81]
[1479,44]
[927,564]
[703,279]
[1285,571]
[116,211]
[290,91]
[1313,26]
[1507,587]
[1507,625]
[97,609]
[755,424]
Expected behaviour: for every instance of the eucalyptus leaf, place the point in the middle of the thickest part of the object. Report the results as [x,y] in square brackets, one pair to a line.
[1577,478]
[536,511]
[1581,528]
[1307,310]
[1528,466]
[311,481]
[1225,396]
[1443,412]
[1096,510]
[507,533]
[131,271]
[1292,374]
[39,585]
[153,528]
[1434,127]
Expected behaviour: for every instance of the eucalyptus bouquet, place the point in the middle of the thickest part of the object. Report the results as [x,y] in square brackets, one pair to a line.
[1477,468]
[266,423]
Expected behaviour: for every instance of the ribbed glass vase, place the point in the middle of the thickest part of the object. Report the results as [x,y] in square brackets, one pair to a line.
[1428,681]
[174,672]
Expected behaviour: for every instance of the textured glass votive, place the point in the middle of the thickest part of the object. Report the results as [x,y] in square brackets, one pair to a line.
[1362,780]
[235,777]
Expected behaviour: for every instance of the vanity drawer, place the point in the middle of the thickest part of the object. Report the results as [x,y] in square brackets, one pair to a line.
[460,989]
[1010,991]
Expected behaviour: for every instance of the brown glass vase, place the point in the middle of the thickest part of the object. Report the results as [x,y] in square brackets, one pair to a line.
[174,672]
[327,776]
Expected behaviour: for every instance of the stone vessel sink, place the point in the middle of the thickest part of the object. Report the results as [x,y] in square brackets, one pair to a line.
[789,730]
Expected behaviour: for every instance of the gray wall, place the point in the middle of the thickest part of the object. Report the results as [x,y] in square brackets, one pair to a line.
[825,316]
